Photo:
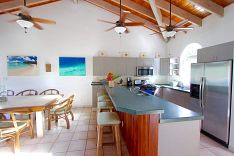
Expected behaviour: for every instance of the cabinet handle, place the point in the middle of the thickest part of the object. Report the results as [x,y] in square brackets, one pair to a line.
[122,123]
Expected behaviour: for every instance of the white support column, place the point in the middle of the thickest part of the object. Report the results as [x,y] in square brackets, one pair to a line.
[40,124]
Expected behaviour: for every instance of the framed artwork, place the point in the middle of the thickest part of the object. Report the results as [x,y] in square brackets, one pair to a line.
[22,66]
[72,66]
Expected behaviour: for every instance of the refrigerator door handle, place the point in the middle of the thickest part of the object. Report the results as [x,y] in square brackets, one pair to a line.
[200,92]
[203,91]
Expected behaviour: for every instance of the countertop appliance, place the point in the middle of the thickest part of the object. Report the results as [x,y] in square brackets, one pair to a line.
[145,71]
[138,82]
[148,88]
[129,81]
[210,92]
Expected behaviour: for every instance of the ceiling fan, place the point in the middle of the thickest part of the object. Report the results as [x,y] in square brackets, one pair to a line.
[172,29]
[26,21]
[120,25]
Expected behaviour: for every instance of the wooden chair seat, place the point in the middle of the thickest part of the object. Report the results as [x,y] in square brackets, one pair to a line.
[104,106]
[103,98]
[61,110]
[12,129]
[101,94]
[8,127]
[108,118]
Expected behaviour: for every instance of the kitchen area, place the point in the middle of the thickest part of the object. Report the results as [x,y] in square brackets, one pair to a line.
[208,96]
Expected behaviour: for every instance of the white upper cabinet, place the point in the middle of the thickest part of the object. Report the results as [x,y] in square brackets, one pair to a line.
[127,66]
[145,62]
[220,52]
[164,66]
[98,66]
[130,64]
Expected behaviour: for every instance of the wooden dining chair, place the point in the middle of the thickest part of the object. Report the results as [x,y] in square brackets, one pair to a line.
[50,92]
[7,93]
[28,92]
[10,93]
[12,129]
[61,110]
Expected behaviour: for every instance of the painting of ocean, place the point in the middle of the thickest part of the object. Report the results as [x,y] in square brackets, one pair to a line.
[22,66]
[72,66]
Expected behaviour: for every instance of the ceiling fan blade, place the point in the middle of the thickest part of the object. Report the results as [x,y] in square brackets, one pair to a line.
[37,26]
[104,21]
[12,21]
[41,20]
[134,24]
[157,32]
[181,23]
[183,29]
[110,29]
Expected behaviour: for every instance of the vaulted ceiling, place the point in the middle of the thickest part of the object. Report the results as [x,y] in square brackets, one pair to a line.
[150,12]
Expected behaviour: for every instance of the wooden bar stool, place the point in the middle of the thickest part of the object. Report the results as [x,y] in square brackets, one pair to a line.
[108,119]
[103,98]
[101,93]
[101,106]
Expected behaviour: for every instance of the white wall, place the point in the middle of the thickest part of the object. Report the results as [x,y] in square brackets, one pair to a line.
[215,30]
[77,33]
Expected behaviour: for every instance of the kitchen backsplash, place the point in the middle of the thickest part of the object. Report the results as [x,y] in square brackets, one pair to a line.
[159,79]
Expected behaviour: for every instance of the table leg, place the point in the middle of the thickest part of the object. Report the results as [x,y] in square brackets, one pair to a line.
[40,123]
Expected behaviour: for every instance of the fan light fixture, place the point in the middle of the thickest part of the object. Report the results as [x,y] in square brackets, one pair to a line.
[170,33]
[120,29]
[25,24]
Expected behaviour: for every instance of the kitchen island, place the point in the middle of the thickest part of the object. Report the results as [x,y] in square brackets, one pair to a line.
[152,126]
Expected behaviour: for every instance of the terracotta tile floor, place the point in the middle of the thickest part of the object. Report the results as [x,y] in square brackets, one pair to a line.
[80,140]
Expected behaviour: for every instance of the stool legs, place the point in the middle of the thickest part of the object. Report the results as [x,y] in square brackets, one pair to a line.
[117,140]
[99,141]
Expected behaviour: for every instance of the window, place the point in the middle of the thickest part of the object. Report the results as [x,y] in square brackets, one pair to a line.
[188,56]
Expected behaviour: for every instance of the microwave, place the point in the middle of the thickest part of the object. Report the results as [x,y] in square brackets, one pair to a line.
[145,71]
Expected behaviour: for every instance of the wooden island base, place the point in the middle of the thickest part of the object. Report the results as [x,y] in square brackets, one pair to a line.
[140,132]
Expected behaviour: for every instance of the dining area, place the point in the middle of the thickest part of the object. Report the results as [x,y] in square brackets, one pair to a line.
[29,113]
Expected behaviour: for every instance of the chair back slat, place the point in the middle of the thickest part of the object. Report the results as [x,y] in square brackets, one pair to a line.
[28,92]
[50,92]
[8,93]
[63,106]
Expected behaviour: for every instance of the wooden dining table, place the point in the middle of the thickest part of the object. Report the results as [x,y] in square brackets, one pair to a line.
[36,104]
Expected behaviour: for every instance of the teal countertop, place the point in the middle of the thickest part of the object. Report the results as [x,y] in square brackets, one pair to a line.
[126,101]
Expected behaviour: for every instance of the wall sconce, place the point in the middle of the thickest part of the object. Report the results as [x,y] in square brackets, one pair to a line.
[142,55]
[48,67]
[157,55]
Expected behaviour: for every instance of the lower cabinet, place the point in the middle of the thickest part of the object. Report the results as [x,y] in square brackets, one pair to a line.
[140,132]
[177,97]
[95,89]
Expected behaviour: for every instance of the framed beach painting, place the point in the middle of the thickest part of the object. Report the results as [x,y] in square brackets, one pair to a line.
[72,66]
[22,66]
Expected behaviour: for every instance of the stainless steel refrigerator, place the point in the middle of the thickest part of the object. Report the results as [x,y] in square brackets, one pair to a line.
[210,94]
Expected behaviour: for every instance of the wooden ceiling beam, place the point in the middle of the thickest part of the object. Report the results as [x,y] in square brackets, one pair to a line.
[11,4]
[158,16]
[111,8]
[166,21]
[3,1]
[164,5]
[210,6]
[136,7]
